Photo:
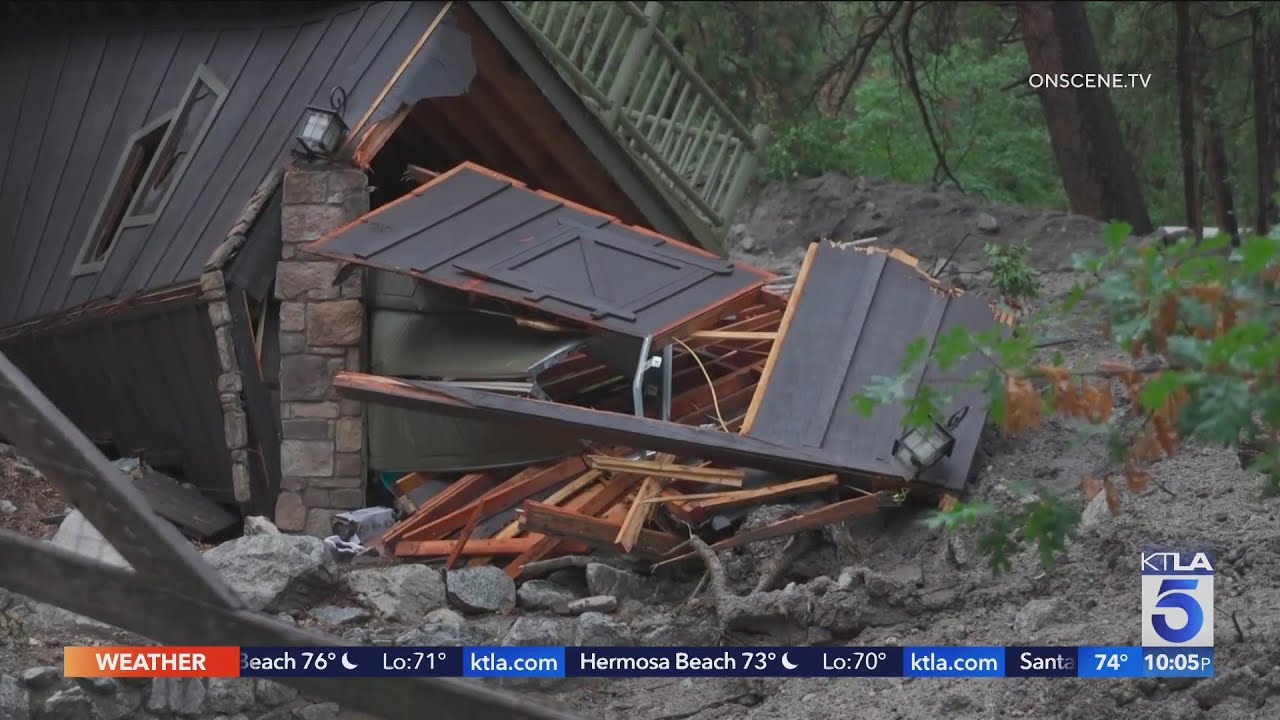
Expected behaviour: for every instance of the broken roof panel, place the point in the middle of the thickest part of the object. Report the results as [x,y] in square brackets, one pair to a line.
[476,230]
[822,358]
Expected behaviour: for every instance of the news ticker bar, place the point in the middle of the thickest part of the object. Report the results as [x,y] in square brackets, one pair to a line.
[562,662]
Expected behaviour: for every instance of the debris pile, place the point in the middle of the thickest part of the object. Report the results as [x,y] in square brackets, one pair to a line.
[675,392]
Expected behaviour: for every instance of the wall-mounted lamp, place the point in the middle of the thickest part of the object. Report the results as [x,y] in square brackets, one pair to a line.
[920,448]
[323,129]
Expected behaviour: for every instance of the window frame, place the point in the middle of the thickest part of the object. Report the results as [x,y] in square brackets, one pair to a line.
[85,263]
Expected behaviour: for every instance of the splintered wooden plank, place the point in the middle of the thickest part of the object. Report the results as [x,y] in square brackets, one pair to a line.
[737,335]
[592,502]
[442,548]
[409,483]
[569,490]
[787,315]
[591,530]
[461,492]
[523,485]
[465,535]
[637,515]
[738,498]
[730,477]
[833,513]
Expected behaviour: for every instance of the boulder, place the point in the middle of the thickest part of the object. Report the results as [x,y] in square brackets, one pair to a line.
[179,696]
[442,628]
[259,525]
[271,693]
[537,632]
[40,678]
[15,704]
[123,704]
[317,711]
[276,572]
[401,593]
[544,595]
[229,695]
[483,589]
[69,704]
[334,616]
[599,630]
[607,580]
[77,535]
[595,603]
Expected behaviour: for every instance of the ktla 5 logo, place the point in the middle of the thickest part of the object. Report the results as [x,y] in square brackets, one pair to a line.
[1177,599]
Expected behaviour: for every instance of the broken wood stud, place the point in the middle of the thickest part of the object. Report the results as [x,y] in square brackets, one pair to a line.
[835,512]
[736,498]
[734,335]
[549,520]
[637,514]
[730,477]
[442,548]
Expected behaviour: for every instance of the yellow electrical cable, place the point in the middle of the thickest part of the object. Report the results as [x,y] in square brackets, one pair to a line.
[715,401]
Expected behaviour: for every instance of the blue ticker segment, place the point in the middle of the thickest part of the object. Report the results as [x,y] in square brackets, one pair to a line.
[1110,662]
[846,662]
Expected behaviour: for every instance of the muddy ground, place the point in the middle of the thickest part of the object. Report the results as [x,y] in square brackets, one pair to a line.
[931,589]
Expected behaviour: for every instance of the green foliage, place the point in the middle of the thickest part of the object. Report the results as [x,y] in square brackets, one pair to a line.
[1209,312]
[1011,273]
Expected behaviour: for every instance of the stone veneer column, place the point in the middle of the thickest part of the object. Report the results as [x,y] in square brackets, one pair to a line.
[322,332]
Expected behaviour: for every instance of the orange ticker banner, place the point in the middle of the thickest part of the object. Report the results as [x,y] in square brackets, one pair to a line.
[151,662]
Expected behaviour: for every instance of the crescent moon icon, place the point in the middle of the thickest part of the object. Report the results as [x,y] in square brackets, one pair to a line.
[347,663]
[786,662]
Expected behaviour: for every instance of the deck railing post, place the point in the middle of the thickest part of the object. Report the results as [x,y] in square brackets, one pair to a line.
[745,172]
[631,61]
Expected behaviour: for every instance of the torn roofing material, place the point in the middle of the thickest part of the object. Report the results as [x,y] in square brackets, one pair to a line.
[640,432]
[479,231]
[822,358]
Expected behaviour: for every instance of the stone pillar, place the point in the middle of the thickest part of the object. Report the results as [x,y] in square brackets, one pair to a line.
[322,332]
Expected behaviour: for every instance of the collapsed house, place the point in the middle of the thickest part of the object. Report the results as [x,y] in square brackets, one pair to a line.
[500,285]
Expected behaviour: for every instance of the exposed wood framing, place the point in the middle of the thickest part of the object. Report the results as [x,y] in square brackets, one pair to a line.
[782,332]
[592,530]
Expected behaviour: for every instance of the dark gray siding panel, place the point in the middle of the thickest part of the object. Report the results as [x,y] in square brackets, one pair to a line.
[84,91]
[144,381]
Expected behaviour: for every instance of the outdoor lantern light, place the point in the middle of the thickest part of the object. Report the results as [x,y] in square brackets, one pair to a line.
[324,129]
[921,448]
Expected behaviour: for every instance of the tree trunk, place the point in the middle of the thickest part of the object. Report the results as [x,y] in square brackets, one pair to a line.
[1220,173]
[1265,49]
[1186,118]
[1097,171]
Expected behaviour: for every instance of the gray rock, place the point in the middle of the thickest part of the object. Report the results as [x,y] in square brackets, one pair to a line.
[259,525]
[39,678]
[69,704]
[987,223]
[7,508]
[15,704]
[443,628]
[229,695]
[481,589]
[117,706]
[1095,512]
[237,716]
[276,572]
[597,629]
[403,593]
[77,535]
[607,580]
[271,693]
[8,452]
[318,711]
[534,632]
[180,696]
[334,615]
[543,595]
[100,686]
[1035,615]
[666,630]
[595,603]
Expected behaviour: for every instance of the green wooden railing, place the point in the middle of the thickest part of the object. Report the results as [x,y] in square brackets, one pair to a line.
[647,93]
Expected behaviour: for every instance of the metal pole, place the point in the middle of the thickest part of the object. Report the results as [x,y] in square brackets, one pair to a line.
[637,383]
[666,382]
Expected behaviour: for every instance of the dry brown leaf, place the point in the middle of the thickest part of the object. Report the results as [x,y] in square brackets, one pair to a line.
[1113,496]
[1092,486]
[947,502]
[1023,406]
[1137,477]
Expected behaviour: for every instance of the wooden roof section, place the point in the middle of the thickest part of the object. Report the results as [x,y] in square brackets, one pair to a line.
[482,232]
